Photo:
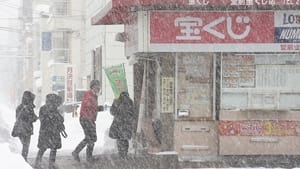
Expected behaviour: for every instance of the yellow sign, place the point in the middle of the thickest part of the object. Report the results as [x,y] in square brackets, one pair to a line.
[167,95]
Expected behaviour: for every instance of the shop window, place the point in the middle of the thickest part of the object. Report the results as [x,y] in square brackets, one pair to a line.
[60,47]
[60,39]
[59,7]
[260,81]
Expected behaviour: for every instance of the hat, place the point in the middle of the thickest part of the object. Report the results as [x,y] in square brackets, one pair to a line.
[28,97]
[94,83]
[124,94]
[51,98]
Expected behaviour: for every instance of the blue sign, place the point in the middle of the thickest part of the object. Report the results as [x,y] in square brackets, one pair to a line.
[287,26]
[287,34]
[57,87]
[46,41]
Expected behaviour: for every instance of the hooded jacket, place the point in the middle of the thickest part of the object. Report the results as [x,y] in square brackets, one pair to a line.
[51,123]
[124,118]
[25,116]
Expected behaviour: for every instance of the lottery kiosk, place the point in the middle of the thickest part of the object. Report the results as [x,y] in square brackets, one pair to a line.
[213,77]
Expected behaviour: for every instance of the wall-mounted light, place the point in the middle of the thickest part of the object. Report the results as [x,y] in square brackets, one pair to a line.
[121,37]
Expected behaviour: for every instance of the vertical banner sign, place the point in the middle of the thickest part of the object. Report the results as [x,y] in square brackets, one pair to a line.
[46,41]
[167,98]
[117,78]
[69,88]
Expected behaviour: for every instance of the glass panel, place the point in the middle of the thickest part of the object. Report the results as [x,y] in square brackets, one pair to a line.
[60,8]
[270,78]
[234,100]
[194,85]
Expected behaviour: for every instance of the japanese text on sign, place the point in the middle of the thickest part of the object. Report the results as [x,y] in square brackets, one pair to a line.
[243,2]
[167,101]
[259,128]
[69,91]
[219,27]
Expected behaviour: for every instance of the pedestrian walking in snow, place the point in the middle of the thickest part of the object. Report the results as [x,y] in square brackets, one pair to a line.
[122,126]
[52,125]
[25,117]
[88,115]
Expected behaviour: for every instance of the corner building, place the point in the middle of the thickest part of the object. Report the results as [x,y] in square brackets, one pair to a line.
[213,77]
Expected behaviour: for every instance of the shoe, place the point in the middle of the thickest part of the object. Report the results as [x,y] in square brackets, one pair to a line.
[37,166]
[53,166]
[91,159]
[76,156]
[123,156]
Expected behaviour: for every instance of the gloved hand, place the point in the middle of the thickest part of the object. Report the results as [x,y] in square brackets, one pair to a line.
[100,108]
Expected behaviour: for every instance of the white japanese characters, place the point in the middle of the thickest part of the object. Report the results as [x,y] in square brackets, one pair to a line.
[264,2]
[198,2]
[191,27]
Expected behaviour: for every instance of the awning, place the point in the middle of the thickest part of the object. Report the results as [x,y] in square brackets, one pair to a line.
[119,11]
[112,13]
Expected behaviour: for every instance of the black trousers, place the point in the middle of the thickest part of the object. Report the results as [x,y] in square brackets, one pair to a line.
[25,140]
[39,157]
[122,146]
[89,129]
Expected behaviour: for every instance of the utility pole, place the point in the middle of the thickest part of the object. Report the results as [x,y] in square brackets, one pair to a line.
[26,38]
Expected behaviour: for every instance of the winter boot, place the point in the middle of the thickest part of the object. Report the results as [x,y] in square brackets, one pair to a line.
[52,158]
[123,146]
[89,153]
[76,156]
[77,150]
[38,159]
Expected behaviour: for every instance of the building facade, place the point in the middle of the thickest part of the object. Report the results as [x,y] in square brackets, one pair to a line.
[70,51]
[101,42]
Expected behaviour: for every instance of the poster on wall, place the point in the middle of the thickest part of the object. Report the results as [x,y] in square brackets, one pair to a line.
[167,95]
[238,71]
[259,128]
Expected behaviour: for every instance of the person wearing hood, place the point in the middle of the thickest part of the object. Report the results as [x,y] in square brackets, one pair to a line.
[122,126]
[25,117]
[52,124]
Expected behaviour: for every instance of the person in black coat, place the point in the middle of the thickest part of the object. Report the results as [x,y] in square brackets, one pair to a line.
[50,129]
[123,122]
[25,117]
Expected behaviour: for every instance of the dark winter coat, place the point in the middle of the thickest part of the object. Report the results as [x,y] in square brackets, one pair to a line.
[51,124]
[124,118]
[25,116]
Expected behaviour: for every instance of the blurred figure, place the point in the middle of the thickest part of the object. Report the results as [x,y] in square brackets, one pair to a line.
[88,116]
[52,124]
[25,117]
[123,123]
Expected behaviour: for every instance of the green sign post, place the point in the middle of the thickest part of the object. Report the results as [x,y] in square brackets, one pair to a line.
[117,78]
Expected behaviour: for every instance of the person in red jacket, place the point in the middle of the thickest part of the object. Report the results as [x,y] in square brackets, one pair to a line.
[88,115]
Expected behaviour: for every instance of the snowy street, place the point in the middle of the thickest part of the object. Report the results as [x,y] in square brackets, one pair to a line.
[106,153]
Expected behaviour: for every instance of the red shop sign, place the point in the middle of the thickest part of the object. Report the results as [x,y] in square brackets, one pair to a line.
[206,2]
[212,27]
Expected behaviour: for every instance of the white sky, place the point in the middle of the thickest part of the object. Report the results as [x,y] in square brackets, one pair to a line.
[8,9]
